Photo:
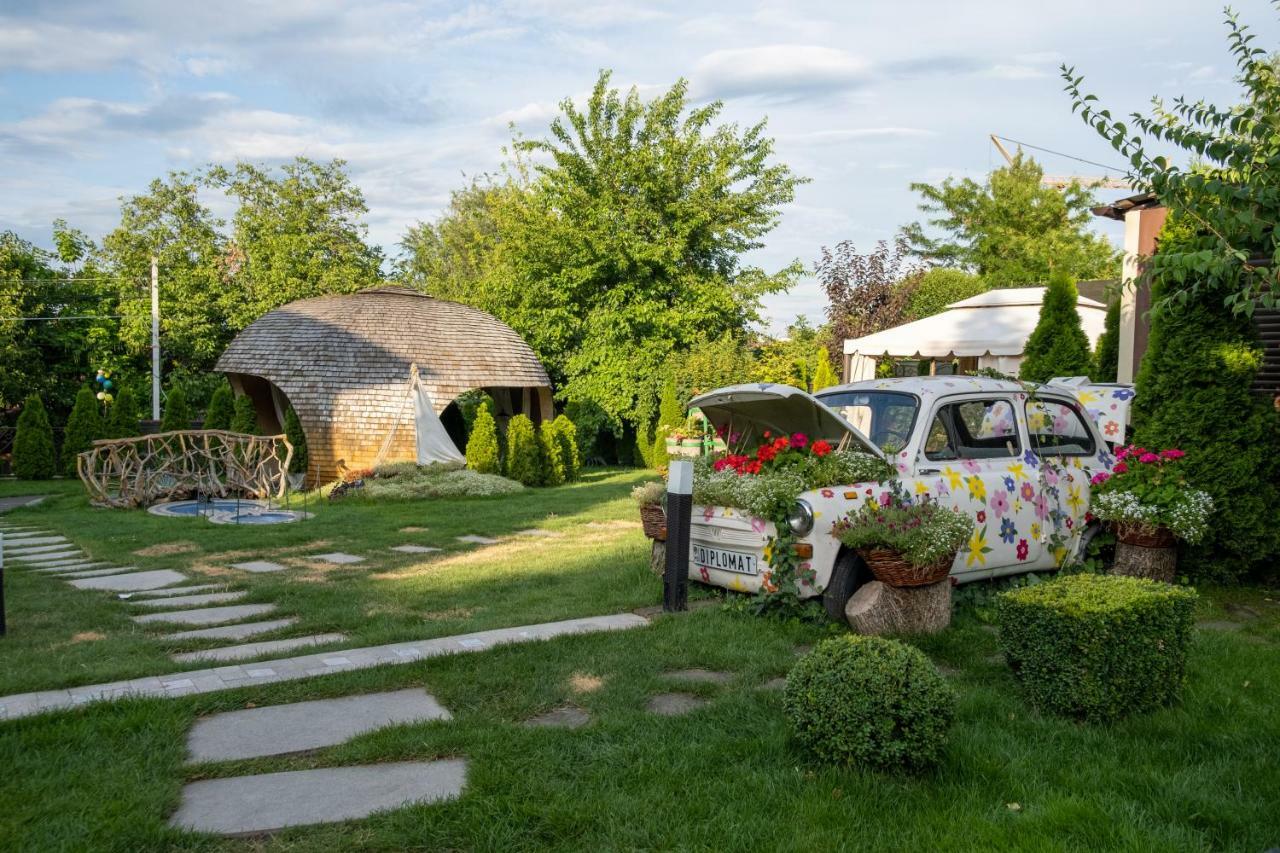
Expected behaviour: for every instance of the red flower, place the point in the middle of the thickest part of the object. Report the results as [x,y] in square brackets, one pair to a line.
[752,467]
[767,434]
[721,464]
[1148,458]
[1022,549]
[982,516]
[799,440]
[1119,468]
[820,448]
[766,453]
[1171,454]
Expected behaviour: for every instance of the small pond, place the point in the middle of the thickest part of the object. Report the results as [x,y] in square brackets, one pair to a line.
[229,511]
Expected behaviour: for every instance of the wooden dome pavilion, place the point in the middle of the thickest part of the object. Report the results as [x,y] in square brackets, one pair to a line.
[355,367]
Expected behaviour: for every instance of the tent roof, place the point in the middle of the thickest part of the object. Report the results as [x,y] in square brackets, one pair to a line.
[997,322]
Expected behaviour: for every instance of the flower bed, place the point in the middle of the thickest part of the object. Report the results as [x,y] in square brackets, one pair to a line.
[1148,500]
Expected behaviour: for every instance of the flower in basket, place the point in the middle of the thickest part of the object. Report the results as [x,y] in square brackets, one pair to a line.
[1147,496]
[921,538]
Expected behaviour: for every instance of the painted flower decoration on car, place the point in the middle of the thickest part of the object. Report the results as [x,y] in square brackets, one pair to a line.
[1123,394]
[1009,484]
[1023,549]
[999,504]
[1028,491]
[1008,531]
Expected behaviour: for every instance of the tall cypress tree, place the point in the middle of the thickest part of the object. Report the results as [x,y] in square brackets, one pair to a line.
[84,426]
[122,418]
[177,413]
[482,446]
[1058,346]
[34,457]
[524,462]
[244,418]
[1106,357]
[824,376]
[221,408]
[298,438]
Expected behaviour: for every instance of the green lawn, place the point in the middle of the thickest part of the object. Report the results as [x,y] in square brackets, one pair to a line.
[1201,775]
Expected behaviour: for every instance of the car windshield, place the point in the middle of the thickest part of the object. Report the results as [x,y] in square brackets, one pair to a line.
[886,417]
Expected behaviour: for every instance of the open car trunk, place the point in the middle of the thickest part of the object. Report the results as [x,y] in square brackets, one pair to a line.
[742,414]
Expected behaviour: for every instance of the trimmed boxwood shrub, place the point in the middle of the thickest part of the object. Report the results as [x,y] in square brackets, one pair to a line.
[84,426]
[870,702]
[34,457]
[524,457]
[1097,647]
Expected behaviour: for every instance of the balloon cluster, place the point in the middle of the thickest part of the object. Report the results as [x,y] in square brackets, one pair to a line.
[104,383]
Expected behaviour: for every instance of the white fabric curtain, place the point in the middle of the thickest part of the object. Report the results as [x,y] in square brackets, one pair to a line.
[434,444]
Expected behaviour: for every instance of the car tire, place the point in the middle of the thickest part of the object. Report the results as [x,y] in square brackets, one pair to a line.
[849,573]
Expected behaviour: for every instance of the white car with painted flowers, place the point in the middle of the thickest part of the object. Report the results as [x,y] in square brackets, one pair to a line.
[1017,459]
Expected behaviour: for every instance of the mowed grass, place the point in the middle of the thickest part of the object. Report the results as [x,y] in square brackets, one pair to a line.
[1200,775]
[595,563]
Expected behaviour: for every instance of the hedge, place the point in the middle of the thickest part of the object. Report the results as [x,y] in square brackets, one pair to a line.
[1097,647]
[871,702]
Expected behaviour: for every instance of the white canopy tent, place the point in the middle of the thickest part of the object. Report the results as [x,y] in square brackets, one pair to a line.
[992,327]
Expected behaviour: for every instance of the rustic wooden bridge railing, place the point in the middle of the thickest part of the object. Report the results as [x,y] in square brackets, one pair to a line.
[130,472]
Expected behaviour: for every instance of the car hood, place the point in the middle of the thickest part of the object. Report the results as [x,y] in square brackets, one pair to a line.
[748,411]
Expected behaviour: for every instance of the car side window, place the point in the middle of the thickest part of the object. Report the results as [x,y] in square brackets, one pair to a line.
[1058,429]
[973,429]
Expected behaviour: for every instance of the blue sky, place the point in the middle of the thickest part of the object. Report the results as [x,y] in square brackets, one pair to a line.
[97,98]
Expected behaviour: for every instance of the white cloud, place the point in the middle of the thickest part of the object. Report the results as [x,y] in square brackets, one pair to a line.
[782,70]
[1016,72]
[838,136]
[1204,72]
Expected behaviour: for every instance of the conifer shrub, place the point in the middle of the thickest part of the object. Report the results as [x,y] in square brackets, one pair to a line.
[552,455]
[567,437]
[177,413]
[1058,346]
[84,426]
[482,447]
[824,376]
[34,456]
[244,418]
[221,408]
[870,702]
[122,417]
[524,456]
[298,438]
[1097,647]
[1106,357]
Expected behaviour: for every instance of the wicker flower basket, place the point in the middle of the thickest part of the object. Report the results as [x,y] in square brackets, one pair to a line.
[1144,535]
[654,520]
[891,568]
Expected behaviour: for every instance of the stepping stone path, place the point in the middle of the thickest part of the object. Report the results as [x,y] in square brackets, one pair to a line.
[253,650]
[565,717]
[207,615]
[699,676]
[46,559]
[274,801]
[72,568]
[339,558]
[192,600]
[131,581]
[414,549]
[674,704]
[258,566]
[97,573]
[16,501]
[304,666]
[477,540]
[280,729]
[242,631]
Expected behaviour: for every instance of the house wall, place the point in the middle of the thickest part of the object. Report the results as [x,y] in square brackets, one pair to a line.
[1141,228]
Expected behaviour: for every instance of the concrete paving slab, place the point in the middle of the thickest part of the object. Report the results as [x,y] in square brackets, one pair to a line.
[16,501]
[96,573]
[339,558]
[321,663]
[254,650]
[278,729]
[242,631]
[273,801]
[415,549]
[173,590]
[258,566]
[72,566]
[131,581]
[699,676]
[566,717]
[472,539]
[192,600]
[31,535]
[46,559]
[13,549]
[207,615]
[674,704]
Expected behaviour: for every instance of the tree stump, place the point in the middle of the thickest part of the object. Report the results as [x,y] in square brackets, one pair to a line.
[877,608]
[1139,561]
[658,558]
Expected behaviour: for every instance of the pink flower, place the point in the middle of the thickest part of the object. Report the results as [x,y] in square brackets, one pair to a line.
[1122,452]
[1172,454]
[1099,478]
[971,466]
[1028,491]
[999,504]
[799,440]
[885,499]
[1148,458]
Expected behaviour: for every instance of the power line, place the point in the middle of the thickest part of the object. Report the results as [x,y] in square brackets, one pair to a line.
[1061,154]
[55,319]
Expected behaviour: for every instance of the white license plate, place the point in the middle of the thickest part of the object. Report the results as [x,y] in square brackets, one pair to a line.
[724,560]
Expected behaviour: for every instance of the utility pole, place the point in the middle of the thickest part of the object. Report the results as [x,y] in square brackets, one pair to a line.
[155,339]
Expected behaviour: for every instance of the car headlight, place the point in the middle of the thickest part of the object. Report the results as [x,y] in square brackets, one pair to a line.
[800,519]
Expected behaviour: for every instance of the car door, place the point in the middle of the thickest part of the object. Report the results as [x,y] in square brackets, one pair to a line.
[1066,453]
[972,459]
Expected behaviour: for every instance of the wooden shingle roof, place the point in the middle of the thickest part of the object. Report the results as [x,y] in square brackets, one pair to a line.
[373,336]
